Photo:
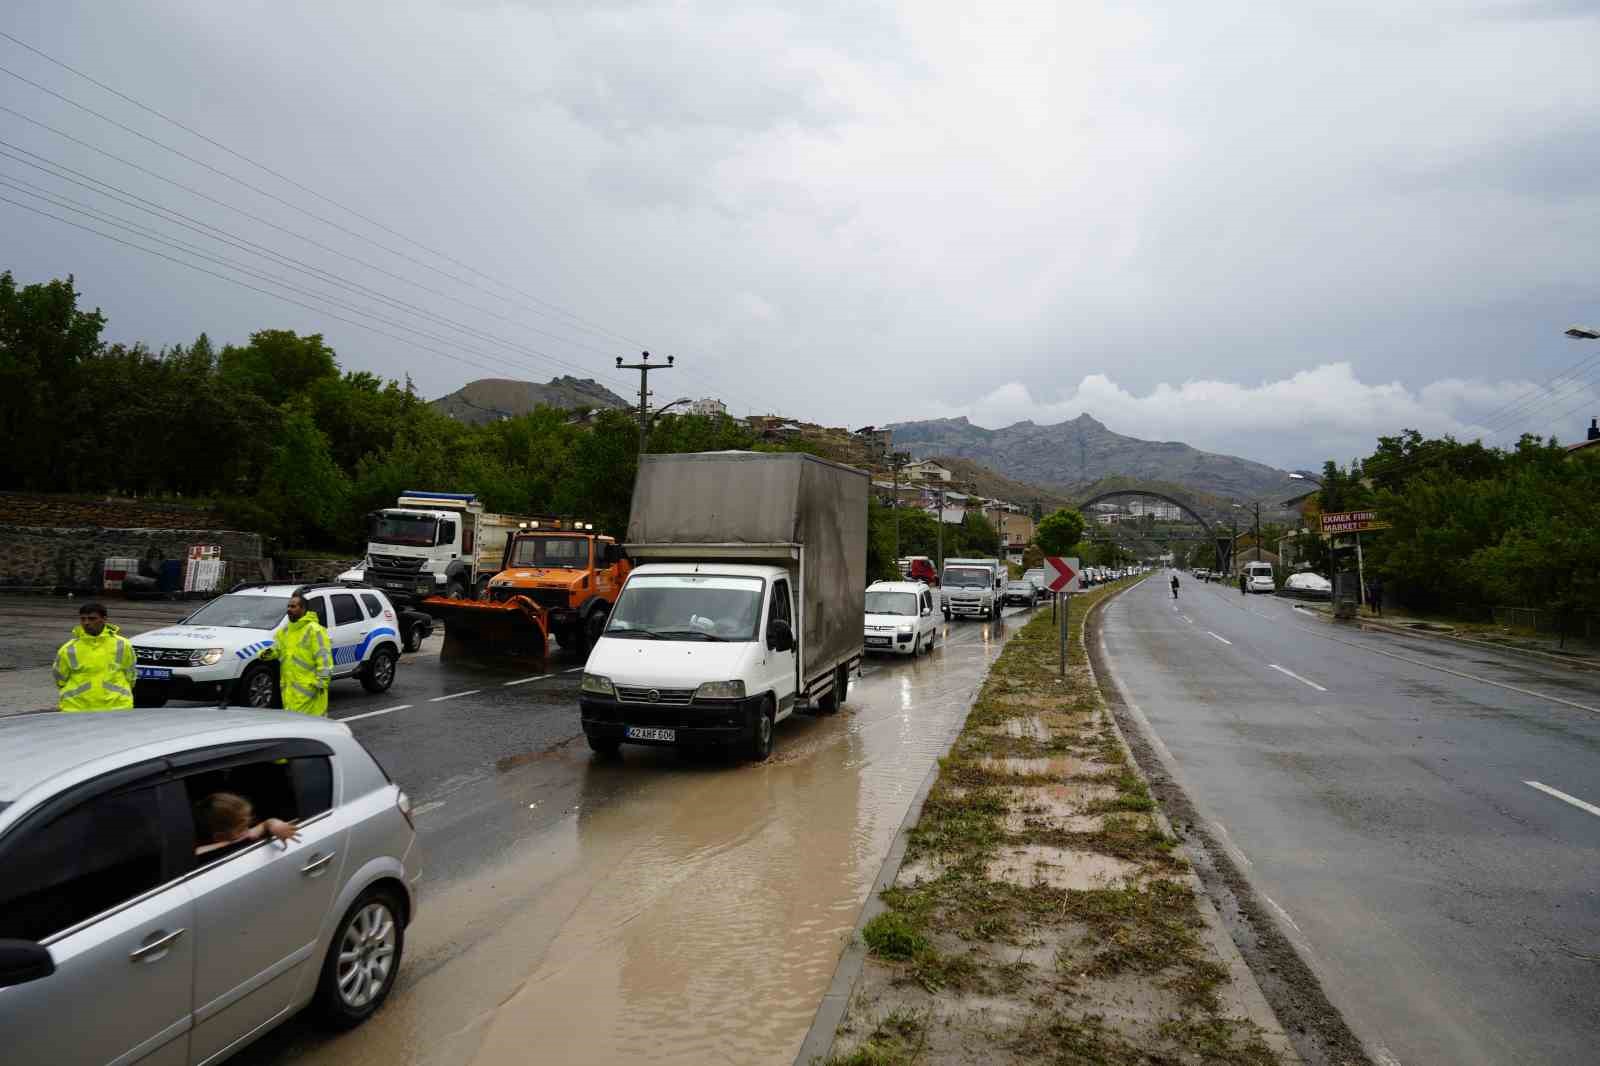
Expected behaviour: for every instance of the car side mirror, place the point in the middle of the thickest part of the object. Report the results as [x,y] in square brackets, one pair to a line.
[22,961]
[779,636]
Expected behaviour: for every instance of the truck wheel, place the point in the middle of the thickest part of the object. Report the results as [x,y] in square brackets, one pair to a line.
[594,625]
[378,674]
[761,741]
[607,746]
[151,693]
[412,641]
[258,688]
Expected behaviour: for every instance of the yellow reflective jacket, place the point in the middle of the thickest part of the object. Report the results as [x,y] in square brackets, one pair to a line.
[305,665]
[95,673]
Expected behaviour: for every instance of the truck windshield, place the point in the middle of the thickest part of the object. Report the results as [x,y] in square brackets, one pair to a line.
[967,577]
[414,531]
[240,612]
[891,602]
[687,607]
[570,553]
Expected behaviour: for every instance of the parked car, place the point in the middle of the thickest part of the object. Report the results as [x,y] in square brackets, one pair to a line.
[120,940]
[1020,593]
[214,652]
[921,568]
[1308,586]
[1258,578]
[900,618]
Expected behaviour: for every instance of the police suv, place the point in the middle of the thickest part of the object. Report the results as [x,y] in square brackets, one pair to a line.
[215,652]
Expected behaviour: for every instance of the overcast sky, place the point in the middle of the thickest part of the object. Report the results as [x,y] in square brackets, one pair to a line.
[1271,229]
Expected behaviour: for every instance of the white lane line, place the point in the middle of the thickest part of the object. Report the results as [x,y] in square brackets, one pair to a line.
[373,714]
[1224,640]
[1186,618]
[1283,912]
[1297,677]
[525,680]
[574,670]
[456,695]
[1563,797]
[419,811]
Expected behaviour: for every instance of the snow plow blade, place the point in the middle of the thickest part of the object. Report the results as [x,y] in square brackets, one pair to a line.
[479,628]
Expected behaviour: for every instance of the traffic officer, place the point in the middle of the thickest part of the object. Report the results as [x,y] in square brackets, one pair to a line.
[305,660]
[94,670]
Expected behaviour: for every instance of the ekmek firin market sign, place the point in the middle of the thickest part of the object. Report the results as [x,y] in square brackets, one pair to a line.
[1351,522]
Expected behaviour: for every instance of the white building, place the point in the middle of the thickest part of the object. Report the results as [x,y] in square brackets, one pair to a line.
[1157,509]
[926,470]
[708,407]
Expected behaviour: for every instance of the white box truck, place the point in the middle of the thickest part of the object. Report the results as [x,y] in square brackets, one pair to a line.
[970,588]
[746,605]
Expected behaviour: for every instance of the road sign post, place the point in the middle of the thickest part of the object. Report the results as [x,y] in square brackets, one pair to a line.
[1063,583]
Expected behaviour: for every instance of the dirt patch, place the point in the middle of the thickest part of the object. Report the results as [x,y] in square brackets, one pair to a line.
[1044,913]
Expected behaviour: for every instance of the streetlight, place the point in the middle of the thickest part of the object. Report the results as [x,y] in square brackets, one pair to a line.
[1302,475]
[1583,333]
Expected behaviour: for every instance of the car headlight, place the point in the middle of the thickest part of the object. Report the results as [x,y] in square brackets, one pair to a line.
[206,657]
[720,690]
[905,631]
[597,685]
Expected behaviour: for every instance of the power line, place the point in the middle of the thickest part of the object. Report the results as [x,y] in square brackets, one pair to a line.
[320,275]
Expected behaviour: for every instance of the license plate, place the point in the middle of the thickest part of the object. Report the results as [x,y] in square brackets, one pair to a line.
[877,640]
[154,673]
[637,732]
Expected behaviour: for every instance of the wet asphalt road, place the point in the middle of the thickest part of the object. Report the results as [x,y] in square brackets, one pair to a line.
[656,908]
[1377,790]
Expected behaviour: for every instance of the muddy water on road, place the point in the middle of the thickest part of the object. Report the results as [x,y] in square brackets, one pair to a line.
[683,912]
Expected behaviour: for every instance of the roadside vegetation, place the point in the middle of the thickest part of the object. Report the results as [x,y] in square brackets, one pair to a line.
[1043,913]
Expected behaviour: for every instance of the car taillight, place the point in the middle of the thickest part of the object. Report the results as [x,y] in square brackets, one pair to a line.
[403,801]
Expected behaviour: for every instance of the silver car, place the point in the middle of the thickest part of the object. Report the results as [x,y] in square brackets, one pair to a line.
[121,942]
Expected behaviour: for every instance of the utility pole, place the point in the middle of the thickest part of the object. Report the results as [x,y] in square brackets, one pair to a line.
[939,521]
[896,461]
[1258,531]
[644,366]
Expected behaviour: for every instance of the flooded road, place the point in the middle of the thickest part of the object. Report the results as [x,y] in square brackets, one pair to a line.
[656,908]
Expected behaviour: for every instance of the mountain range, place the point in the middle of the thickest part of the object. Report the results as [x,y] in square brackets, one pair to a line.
[489,399]
[1078,452]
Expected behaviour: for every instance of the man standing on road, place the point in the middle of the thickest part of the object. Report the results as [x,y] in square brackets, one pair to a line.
[305,660]
[1375,596]
[1174,586]
[94,670]
[1241,583]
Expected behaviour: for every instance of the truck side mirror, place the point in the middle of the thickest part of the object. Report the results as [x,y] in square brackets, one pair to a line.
[779,636]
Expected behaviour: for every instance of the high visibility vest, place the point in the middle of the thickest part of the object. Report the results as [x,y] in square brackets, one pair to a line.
[95,673]
[305,665]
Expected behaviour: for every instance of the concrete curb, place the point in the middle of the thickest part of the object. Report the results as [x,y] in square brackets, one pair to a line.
[1529,653]
[825,1026]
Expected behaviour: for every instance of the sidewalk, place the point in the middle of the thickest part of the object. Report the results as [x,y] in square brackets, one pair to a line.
[1043,911]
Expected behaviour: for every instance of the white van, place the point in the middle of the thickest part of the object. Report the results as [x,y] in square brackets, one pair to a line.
[1258,578]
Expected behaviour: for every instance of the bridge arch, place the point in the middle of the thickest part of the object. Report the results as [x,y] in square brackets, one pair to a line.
[1185,506]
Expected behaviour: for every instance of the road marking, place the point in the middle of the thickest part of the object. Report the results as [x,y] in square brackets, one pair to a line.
[574,670]
[1563,797]
[525,680]
[456,695]
[373,714]
[1224,640]
[1186,618]
[1297,677]
[418,812]
[1283,912]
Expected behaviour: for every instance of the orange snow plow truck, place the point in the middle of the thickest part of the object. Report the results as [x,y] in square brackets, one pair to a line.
[557,578]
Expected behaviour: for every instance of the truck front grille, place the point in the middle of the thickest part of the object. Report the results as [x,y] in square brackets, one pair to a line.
[396,564]
[663,695]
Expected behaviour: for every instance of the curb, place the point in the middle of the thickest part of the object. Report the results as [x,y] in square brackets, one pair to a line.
[830,1012]
[1529,653]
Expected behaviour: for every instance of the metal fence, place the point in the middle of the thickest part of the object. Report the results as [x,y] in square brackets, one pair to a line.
[1574,625]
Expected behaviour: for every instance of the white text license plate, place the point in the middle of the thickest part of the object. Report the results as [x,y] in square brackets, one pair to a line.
[155,673]
[639,732]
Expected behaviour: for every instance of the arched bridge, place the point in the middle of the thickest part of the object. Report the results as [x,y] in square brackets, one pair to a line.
[1188,507]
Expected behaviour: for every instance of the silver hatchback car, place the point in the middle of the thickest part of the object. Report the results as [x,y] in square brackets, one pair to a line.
[124,939]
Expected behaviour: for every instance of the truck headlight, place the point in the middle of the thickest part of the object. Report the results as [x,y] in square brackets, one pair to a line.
[206,657]
[596,685]
[905,631]
[720,690]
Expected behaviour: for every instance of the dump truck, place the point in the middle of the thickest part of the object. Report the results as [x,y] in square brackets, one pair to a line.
[745,604]
[435,544]
[556,577]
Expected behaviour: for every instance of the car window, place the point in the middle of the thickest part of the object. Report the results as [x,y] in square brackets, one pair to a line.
[319,607]
[780,602]
[103,852]
[373,605]
[345,609]
[290,789]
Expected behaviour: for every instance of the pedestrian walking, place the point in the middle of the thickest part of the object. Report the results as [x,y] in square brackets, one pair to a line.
[1375,596]
[305,660]
[1242,587]
[94,670]
[1174,586]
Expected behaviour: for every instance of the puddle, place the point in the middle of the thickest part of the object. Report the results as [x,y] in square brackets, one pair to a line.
[1035,864]
[675,911]
[1031,822]
[1056,766]
[1031,728]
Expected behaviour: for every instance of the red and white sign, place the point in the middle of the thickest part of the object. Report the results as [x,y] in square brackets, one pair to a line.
[1066,573]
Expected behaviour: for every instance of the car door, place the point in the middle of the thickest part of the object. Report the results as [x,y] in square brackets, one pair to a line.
[348,633]
[781,667]
[95,876]
[927,626]
[260,908]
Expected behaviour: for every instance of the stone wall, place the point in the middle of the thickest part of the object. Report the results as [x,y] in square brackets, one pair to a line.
[70,557]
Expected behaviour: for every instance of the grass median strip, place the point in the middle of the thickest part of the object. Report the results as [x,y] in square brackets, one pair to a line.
[1042,914]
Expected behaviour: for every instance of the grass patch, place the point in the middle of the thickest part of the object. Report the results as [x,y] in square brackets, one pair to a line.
[898,1040]
[892,935]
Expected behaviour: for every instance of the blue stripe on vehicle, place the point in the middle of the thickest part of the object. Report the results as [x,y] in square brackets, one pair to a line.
[351,653]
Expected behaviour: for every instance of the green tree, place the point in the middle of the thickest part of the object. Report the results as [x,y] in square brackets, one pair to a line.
[1059,531]
[278,364]
[44,341]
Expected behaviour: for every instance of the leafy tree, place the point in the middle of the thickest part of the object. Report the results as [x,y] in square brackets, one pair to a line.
[44,342]
[1058,532]
[278,364]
